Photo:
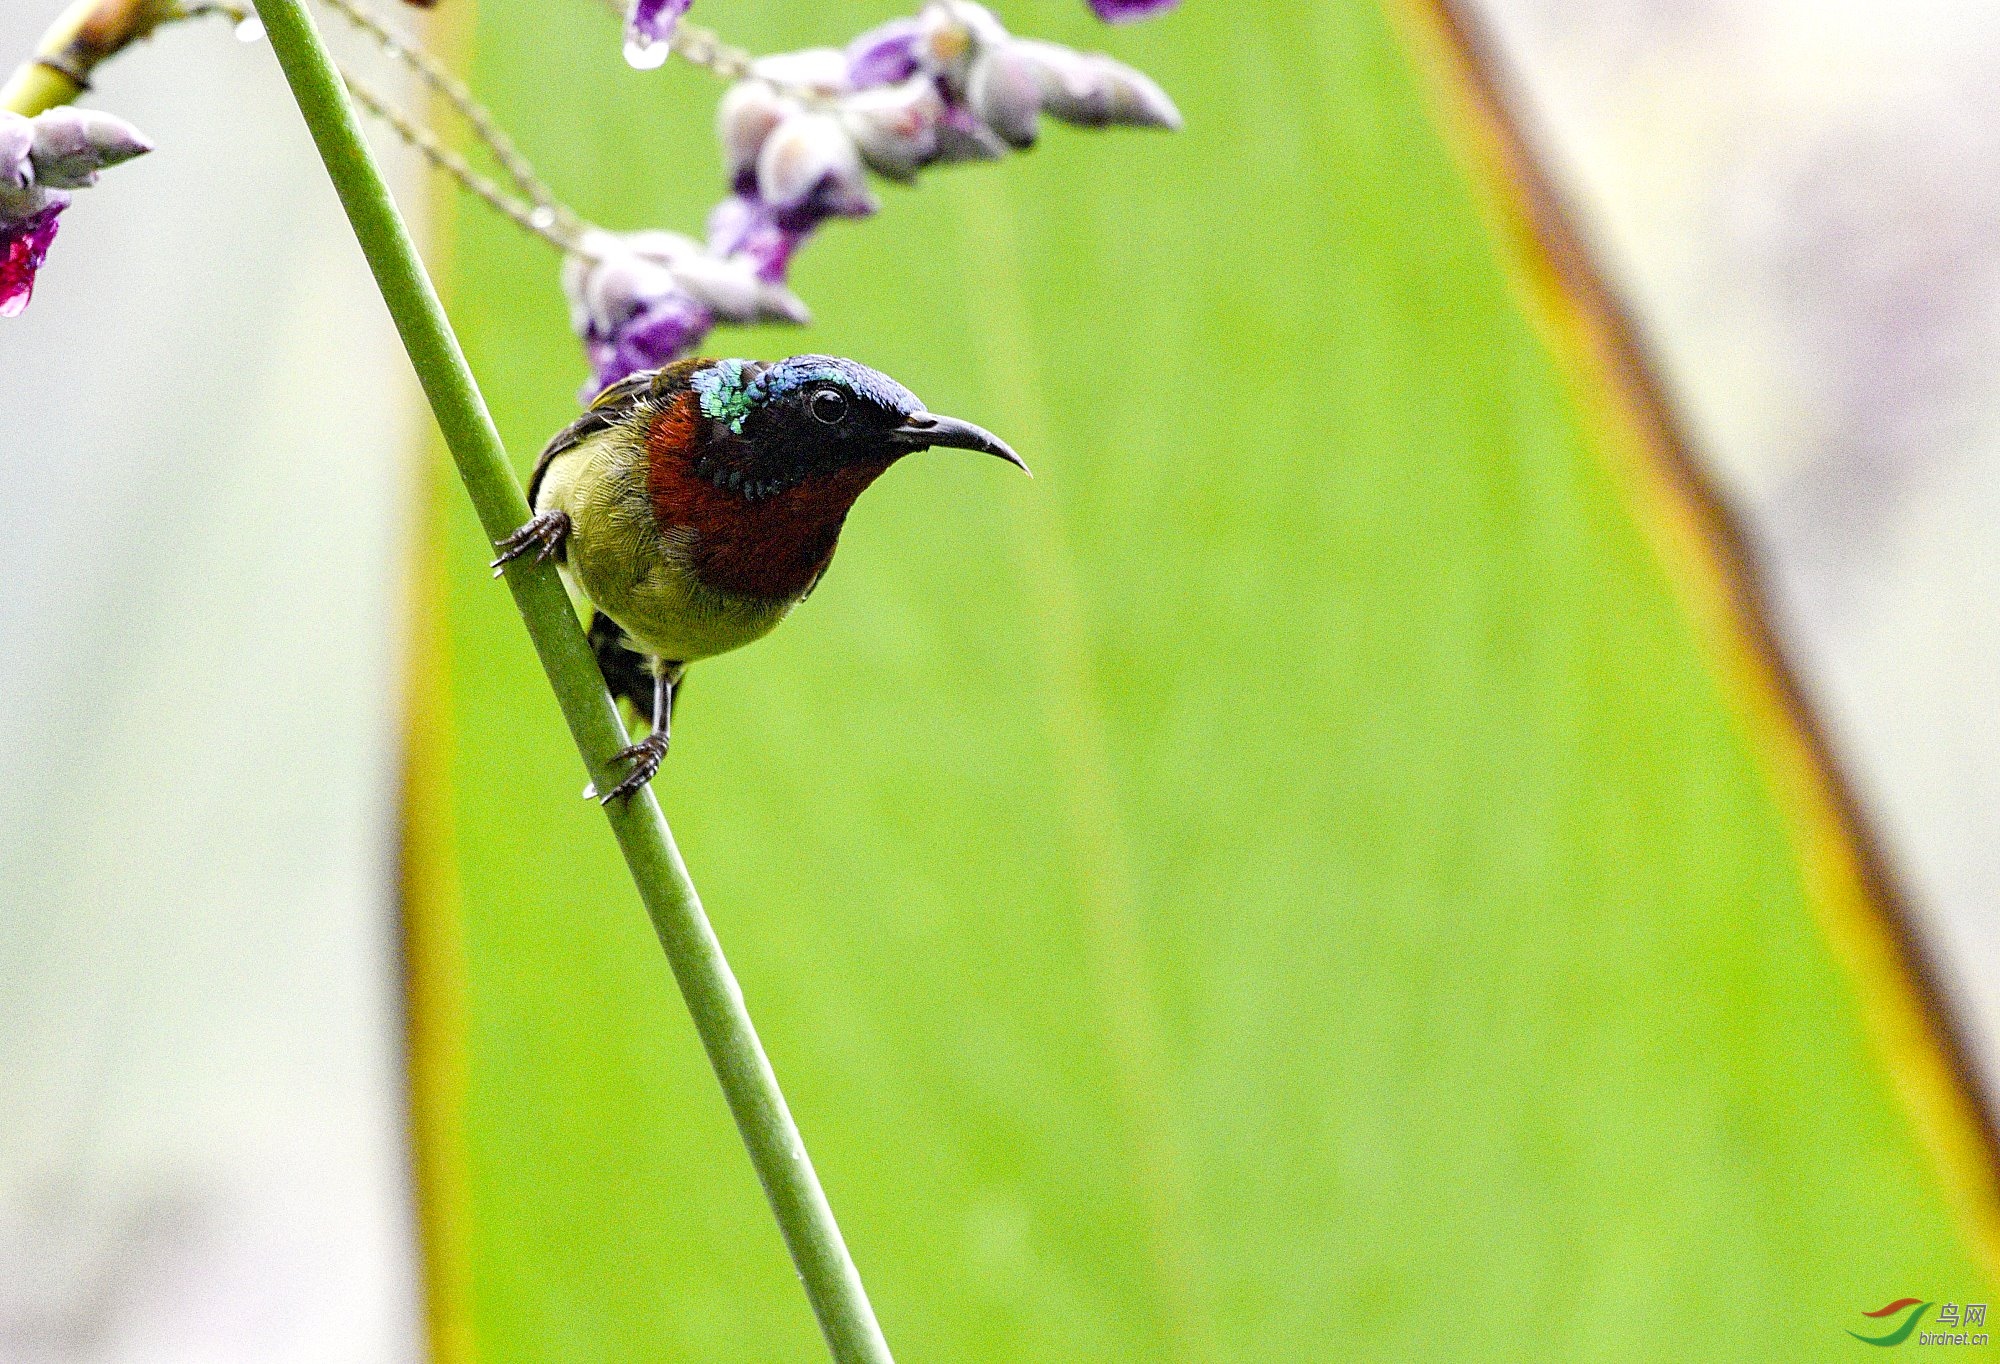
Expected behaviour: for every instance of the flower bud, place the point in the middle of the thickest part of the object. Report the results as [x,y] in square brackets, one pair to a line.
[608,292]
[811,158]
[641,299]
[1003,93]
[961,137]
[895,127]
[41,157]
[17,138]
[72,145]
[980,25]
[1093,91]
[747,115]
[950,33]
[625,274]
[734,291]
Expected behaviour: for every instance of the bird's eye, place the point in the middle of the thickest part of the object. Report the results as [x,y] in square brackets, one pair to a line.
[827,405]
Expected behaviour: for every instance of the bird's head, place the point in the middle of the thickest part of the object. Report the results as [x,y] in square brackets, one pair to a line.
[770,427]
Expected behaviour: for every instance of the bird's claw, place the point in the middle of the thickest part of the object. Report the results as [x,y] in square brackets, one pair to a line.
[645,757]
[543,533]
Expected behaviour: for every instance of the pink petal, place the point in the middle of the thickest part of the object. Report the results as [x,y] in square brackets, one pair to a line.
[24,245]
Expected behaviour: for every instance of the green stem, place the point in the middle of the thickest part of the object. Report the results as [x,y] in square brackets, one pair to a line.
[86,33]
[712,996]
[35,89]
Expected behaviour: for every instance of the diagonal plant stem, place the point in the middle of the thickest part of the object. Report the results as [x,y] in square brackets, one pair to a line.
[776,1150]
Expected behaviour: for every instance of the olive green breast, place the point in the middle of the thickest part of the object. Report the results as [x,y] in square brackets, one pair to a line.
[617,557]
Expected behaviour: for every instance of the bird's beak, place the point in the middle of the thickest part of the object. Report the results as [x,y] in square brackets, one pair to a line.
[923,430]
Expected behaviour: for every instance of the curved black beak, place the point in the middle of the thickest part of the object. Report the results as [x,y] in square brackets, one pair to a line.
[923,430]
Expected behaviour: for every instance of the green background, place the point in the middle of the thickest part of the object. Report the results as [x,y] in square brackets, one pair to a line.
[1281,885]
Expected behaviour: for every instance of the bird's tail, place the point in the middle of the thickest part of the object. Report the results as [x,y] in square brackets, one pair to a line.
[626,672]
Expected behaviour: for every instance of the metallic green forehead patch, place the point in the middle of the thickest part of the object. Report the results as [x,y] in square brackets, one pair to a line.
[724,394]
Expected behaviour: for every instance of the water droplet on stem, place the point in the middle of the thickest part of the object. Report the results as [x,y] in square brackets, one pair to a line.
[645,54]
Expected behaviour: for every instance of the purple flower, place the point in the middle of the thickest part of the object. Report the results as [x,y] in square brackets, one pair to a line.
[745,227]
[666,329]
[40,158]
[1125,11]
[648,25]
[801,132]
[641,299]
[885,55]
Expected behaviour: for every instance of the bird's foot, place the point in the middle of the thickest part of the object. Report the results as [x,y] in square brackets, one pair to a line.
[645,757]
[544,534]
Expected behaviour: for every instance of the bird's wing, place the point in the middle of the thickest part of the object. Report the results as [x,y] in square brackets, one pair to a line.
[605,411]
[612,406]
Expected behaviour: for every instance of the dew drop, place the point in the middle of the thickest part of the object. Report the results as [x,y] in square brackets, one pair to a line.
[250,29]
[543,217]
[644,54]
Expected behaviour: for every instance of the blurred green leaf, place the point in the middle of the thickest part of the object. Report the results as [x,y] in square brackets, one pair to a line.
[1282,885]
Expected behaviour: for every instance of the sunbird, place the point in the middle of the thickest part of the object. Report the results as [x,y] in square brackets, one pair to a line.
[695,505]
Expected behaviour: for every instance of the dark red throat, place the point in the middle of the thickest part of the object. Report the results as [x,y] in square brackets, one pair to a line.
[774,547]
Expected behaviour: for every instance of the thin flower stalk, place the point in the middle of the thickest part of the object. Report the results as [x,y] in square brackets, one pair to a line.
[551,222]
[411,54]
[716,1003]
[633,296]
[704,47]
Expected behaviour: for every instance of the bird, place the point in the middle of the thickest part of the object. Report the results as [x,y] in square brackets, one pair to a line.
[693,506]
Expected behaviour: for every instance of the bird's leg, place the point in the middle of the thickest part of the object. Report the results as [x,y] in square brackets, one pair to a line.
[544,534]
[646,755]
